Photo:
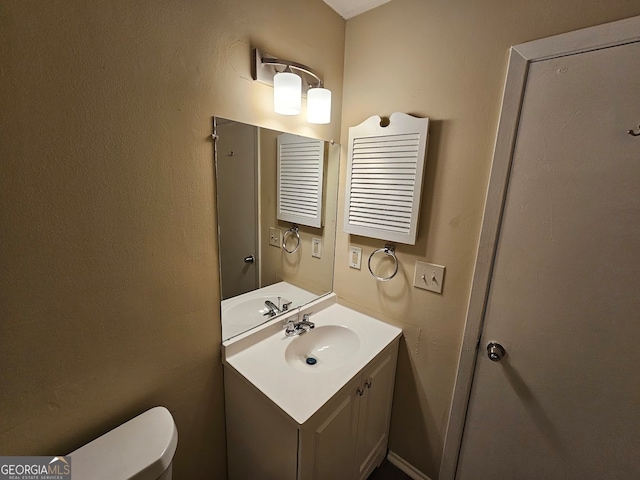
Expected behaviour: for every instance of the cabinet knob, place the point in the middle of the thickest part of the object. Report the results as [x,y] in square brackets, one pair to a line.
[368,383]
[360,392]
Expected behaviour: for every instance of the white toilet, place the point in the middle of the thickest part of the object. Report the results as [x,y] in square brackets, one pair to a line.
[141,449]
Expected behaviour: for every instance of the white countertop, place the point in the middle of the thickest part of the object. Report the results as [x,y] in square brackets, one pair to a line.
[260,357]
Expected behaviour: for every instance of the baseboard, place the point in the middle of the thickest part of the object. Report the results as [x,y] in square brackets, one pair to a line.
[406,467]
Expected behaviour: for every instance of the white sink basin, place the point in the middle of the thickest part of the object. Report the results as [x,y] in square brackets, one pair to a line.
[322,349]
[342,343]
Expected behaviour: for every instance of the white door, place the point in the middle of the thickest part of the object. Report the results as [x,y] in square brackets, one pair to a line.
[564,301]
[236,166]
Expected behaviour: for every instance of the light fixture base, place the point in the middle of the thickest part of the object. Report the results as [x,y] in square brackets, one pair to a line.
[264,73]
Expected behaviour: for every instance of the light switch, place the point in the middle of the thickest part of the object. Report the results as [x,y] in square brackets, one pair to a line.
[274,237]
[316,247]
[428,276]
[355,257]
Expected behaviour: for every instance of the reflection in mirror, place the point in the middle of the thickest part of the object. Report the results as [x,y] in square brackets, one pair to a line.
[266,181]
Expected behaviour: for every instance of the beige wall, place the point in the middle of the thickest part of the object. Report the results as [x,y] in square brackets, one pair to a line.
[299,268]
[109,291]
[446,61]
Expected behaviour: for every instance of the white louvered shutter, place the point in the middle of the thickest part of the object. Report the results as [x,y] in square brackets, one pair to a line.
[385,167]
[300,170]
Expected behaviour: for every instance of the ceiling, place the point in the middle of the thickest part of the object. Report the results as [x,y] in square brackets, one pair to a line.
[350,8]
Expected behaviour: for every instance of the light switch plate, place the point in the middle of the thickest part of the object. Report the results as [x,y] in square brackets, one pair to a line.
[355,257]
[316,247]
[274,237]
[428,276]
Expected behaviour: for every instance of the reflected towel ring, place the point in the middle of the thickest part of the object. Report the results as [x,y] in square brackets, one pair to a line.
[292,231]
[389,250]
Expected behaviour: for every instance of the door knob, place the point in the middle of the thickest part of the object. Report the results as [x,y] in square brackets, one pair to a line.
[495,351]
[249,259]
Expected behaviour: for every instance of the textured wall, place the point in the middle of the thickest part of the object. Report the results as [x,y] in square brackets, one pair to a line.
[446,61]
[109,291]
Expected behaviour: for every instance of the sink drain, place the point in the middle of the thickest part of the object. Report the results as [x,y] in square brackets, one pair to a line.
[311,361]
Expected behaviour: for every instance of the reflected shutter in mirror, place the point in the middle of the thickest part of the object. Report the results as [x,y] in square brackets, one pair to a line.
[300,171]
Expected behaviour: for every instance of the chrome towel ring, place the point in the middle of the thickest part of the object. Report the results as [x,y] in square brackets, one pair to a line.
[292,231]
[389,250]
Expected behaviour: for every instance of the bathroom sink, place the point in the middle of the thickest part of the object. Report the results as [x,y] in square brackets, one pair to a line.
[322,349]
[342,343]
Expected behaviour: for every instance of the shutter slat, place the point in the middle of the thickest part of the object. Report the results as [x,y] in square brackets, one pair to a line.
[390,162]
[369,196]
[386,176]
[407,155]
[383,225]
[380,214]
[381,206]
[384,187]
[384,168]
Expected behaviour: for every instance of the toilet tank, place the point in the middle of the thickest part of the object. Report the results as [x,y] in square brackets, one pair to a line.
[140,449]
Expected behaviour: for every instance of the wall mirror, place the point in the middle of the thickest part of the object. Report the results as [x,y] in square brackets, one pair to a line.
[277,196]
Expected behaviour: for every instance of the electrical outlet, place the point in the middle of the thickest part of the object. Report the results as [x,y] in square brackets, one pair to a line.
[428,276]
[355,257]
[316,247]
[274,237]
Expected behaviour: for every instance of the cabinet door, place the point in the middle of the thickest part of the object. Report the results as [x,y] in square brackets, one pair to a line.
[328,446]
[375,411]
[261,442]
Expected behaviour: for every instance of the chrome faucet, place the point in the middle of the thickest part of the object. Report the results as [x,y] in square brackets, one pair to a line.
[296,327]
[273,309]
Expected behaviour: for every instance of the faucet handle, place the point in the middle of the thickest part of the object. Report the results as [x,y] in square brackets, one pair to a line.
[285,304]
[289,325]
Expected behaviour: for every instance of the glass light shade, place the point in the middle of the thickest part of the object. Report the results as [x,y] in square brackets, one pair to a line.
[319,105]
[287,93]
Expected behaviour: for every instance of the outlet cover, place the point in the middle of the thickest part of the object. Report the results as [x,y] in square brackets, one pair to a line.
[355,257]
[316,247]
[274,237]
[428,276]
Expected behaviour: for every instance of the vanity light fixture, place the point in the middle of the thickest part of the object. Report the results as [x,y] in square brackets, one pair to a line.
[288,87]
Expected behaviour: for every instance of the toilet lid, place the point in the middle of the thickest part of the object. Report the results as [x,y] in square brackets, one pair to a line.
[140,449]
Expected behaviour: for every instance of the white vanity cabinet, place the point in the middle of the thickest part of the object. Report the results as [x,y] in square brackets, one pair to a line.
[346,438]
[374,413]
